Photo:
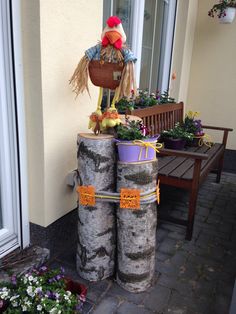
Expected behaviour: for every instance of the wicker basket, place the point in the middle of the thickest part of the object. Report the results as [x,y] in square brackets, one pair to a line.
[105,74]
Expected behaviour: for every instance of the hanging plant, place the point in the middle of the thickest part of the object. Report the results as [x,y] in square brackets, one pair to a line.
[224,10]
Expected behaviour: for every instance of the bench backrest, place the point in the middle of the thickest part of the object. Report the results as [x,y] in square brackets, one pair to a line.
[160,117]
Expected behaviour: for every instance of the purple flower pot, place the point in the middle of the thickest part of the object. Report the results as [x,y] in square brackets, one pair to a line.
[174,143]
[131,151]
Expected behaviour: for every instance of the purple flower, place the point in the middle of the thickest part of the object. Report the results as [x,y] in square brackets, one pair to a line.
[13,279]
[79,306]
[43,268]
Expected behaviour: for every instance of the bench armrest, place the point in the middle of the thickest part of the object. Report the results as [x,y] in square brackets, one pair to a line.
[216,128]
[179,153]
[225,130]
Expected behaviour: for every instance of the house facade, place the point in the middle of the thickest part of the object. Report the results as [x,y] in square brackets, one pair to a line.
[43,41]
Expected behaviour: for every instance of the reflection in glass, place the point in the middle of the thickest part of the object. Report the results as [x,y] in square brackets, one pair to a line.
[147,44]
[123,9]
[154,29]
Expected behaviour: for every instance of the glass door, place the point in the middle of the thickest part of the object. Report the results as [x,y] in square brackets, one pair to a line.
[10,219]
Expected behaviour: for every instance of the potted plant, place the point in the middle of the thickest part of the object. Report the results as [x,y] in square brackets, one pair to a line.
[125,104]
[176,138]
[41,290]
[134,143]
[224,10]
[194,126]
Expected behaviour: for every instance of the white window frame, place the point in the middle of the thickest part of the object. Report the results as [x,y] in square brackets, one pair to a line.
[166,60]
[13,166]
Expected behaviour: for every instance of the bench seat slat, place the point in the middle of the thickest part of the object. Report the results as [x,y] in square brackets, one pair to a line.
[213,153]
[177,166]
[179,171]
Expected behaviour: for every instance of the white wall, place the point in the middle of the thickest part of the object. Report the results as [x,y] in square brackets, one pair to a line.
[56,34]
[212,85]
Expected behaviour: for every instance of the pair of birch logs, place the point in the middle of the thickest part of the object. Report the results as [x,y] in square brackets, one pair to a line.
[104,228]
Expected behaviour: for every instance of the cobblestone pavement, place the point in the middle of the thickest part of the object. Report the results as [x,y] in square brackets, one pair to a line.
[192,277]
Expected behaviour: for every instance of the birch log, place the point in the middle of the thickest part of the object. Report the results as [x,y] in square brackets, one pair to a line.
[96,225]
[136,229]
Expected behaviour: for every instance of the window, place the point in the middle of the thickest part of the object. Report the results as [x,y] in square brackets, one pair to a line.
[14,225]
[149,26]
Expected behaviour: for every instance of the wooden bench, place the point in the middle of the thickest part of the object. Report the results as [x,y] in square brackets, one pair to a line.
[188,168]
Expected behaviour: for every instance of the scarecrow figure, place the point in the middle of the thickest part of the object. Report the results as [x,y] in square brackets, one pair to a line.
[109,64]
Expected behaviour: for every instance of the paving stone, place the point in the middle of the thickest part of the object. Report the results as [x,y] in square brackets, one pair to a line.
[177,235]
[161,235]
[157,299]
[130,308]
[220,305]
[179,259]
[97,290]
[167,281]
[162,256]
[136,298]
[166,268]
[184,305]
[108,305]
[87,307]
[168,247]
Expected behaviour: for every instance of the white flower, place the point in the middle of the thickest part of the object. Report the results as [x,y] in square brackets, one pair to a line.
[57,295]
[14,304]
[30,291]
[14,297]
[39,307]
[68,292]
[4,293]
[31,278]
[24,308]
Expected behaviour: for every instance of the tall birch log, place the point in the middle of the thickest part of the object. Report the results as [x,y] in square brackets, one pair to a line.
[136,229]
[96,225]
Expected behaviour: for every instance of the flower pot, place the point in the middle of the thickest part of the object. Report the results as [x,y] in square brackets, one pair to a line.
[229,17]
[196,141]
[76,288]
[3,305]
[174,143]
[137,150]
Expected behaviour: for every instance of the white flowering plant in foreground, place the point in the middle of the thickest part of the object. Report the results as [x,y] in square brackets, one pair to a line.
[40,291]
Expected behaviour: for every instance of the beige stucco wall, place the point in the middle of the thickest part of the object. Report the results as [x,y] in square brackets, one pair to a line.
[212,85]
[55,35]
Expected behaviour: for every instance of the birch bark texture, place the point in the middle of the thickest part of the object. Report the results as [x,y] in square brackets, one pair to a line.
[96,157]
[136,229]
